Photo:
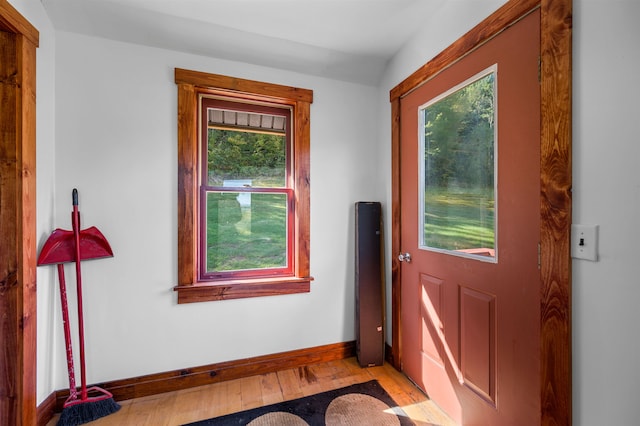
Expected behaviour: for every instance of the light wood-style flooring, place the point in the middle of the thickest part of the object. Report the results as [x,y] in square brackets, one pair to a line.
[180,407]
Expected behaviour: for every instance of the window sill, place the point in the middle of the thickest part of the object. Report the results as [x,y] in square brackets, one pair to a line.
[239,289]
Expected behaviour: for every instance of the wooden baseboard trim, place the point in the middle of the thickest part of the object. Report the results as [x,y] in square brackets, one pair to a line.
[46,410]
[153,384]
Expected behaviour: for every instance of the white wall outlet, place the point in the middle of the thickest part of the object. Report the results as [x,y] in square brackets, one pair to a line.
[584,242]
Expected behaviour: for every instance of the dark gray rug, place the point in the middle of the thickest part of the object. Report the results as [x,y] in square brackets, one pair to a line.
[356,405]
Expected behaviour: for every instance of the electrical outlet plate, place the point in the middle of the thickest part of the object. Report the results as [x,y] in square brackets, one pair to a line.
[584,242]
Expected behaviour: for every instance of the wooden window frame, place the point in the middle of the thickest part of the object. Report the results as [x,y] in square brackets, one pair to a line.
[206,103]
[191,85]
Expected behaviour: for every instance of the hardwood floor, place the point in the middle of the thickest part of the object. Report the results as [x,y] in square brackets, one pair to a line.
[177,408]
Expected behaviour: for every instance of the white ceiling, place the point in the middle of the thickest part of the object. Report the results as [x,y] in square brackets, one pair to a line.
[350,40]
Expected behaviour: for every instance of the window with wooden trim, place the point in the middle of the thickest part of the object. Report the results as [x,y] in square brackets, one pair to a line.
[243,188]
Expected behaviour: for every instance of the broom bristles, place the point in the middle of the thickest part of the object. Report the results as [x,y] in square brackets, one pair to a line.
[85,412]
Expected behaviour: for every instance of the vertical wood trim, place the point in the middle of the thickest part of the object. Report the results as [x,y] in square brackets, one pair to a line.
[555,208]
[396,289]
[10,286]
[302,141]
[187,184]
[27,246]
[17,219]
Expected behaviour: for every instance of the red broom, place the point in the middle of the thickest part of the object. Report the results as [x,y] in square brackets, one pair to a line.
[65,246]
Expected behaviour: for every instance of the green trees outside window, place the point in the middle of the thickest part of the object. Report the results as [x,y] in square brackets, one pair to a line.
[234,155]
[458,169]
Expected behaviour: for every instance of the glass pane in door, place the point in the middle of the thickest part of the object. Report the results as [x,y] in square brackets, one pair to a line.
[458,147]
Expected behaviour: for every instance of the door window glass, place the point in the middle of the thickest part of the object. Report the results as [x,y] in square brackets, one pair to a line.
[458,147]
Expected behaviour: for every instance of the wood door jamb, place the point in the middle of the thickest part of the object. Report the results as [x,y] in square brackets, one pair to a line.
[18,382]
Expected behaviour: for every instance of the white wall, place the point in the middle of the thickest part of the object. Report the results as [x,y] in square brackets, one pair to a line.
[116,142]
[45,156]
[606,191]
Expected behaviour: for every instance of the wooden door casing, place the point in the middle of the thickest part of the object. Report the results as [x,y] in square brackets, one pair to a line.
[18,43]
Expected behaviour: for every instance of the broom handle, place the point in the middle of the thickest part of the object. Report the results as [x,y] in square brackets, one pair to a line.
[73,393]
[75,220]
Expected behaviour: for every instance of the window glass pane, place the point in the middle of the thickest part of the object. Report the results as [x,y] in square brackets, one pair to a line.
[246,157]
[457,187]
[246,230]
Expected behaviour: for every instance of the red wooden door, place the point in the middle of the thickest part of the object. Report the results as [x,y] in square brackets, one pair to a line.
[470,326]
